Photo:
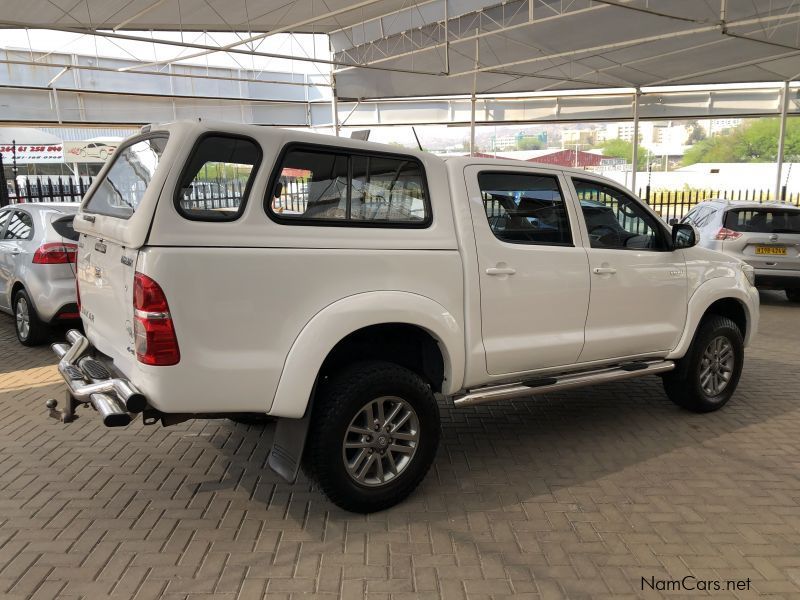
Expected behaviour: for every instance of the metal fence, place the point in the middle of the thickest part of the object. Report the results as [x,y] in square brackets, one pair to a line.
[674,204]
[48,189]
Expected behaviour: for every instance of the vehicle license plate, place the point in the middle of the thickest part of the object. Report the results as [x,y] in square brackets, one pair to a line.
[771,250]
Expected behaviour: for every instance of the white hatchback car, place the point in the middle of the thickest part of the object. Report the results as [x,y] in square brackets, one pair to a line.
[38,249]
[764,235]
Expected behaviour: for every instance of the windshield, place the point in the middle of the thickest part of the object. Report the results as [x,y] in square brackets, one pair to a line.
[123,187]
[763,220]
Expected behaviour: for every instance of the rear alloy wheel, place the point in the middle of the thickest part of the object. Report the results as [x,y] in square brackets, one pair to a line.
[373,436]
[31,331]
[793,294]
[706,378]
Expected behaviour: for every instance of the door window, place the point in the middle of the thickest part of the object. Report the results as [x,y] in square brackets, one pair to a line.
[614,220]
[20,227]
[525,208]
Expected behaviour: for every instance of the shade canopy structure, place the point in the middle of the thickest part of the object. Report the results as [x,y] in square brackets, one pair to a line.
[401,48]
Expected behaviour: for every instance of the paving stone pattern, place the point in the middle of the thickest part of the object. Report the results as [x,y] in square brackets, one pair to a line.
[573,495]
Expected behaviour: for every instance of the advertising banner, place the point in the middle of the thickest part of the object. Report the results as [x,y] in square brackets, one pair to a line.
[29,153]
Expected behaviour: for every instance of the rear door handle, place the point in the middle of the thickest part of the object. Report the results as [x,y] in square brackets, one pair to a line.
[604,270]
[16,251]
[500,271]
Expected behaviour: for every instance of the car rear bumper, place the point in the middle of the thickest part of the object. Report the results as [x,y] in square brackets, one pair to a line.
[90,381]
[777,278]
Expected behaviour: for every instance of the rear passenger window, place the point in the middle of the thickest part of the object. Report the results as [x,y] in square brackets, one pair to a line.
[525,209]
[216,181]
[315,186]
[20,227]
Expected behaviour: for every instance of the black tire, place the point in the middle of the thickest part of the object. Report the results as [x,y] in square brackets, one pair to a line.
[37,330]
[343,399]
[793,294]
[684,386]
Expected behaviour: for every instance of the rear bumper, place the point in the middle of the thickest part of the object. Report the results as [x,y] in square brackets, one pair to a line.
[777,278]
[91,382]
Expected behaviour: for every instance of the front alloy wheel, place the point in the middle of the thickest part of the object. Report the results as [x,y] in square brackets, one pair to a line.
[373,435]
[716,367]
[706,378]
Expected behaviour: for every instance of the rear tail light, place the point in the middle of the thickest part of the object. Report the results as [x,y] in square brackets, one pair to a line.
[154,333]
[56,253]
[727,234]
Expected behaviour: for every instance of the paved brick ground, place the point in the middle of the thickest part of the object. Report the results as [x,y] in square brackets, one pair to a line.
[576,495]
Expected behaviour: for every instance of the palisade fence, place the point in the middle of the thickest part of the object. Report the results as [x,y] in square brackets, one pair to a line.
[670,204]
[674,204]
[48,189]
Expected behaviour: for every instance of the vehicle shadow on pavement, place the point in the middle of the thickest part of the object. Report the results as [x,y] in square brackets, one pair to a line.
[501,457]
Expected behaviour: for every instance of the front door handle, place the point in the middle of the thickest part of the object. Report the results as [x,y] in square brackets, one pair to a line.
[604,270]
[500,271]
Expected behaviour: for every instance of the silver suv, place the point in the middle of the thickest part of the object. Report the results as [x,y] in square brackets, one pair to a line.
[765,235]
[38,247]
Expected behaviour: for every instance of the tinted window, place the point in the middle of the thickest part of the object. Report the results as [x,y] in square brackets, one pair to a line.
[615,220]
[123,187]
[20,226]
[763,220]
[216,181]
[4,214]
[322,186]
[526,209]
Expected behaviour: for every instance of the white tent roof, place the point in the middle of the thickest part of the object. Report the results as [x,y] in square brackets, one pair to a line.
[436,47]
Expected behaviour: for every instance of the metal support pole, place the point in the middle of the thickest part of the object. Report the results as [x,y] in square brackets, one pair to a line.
[4,201]
[334,107]
[14,168]
[635,157]
[472,99]
[472,127]
[781,139]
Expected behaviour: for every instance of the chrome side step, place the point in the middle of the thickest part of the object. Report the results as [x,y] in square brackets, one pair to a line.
[509,391]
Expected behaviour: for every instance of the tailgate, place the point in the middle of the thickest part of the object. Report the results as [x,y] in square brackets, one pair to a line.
[114,221]
[767,237]
[105,283]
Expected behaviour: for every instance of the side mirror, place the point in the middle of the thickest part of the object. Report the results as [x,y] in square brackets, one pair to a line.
[684,235]
[673,221]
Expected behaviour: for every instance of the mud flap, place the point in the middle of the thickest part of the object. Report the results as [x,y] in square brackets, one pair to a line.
[288,445]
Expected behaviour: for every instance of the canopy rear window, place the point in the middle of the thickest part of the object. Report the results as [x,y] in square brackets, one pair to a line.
[763,220]
[124,185]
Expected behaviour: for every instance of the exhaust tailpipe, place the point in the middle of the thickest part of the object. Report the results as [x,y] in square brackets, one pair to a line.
[110,409]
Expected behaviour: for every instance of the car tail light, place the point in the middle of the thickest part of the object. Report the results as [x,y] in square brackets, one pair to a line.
[154,333]
[727,234]
[56,253]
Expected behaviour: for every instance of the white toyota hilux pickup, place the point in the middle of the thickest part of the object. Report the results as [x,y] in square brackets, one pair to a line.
[341,287]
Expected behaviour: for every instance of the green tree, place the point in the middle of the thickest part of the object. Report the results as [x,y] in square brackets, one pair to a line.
[753,141]
[618,148]
[529,143]
[697,133]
